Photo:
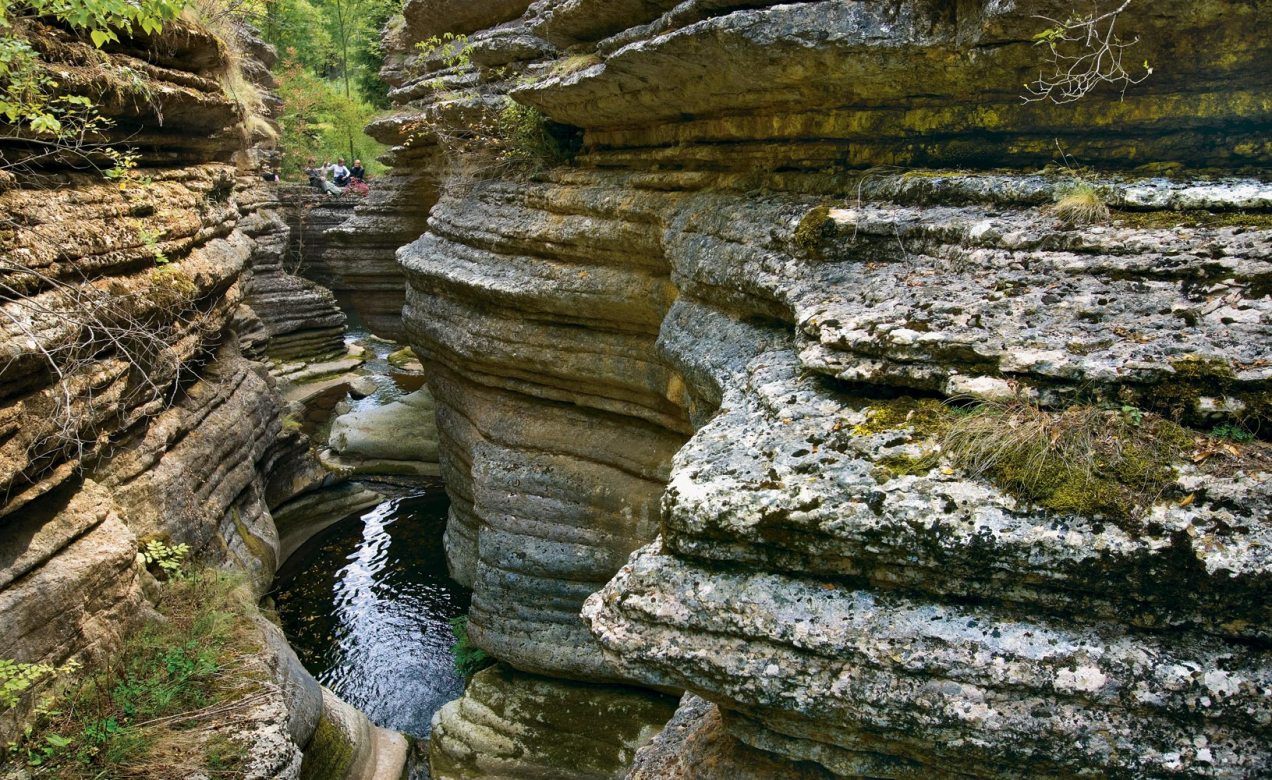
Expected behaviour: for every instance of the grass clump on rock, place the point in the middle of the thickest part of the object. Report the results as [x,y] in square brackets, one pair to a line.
[167,704]
[1082,460]
[1081,205]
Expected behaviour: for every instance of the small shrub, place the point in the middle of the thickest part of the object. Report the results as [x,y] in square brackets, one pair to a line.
[1232,432]
[167,559]
[1081,205]
[529,140]
[469,659]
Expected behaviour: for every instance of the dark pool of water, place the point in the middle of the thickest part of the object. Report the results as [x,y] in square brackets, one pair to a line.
[367,604]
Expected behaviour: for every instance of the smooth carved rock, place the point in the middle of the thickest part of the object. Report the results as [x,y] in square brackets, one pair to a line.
[428,18]
[514,725]
[398,437]
[547,501]
[231,424]
[694,745]
[70,582]
[348,746]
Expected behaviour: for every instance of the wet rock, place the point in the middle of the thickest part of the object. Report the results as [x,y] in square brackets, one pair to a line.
[348,746]
[515,725]
[399,437]
[363,386]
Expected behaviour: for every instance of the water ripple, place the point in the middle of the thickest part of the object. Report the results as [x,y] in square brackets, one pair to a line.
[367,606]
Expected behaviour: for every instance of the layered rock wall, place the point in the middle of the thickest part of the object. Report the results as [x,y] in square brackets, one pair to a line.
[730,261]
[128,409]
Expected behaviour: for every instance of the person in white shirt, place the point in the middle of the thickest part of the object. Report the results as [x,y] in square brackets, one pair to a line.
[340,174]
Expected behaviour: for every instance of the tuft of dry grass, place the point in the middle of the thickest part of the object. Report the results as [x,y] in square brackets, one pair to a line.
[1081,205]
[574,64]
[224,19]
[1081,460]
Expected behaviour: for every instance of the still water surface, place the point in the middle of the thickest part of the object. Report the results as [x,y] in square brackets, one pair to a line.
[367,603]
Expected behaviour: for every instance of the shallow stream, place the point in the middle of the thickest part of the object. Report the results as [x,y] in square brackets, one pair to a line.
[367,603]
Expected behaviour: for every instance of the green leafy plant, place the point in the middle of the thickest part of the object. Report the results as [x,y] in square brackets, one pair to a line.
[469,659]
[452,49]
[150,238]
[168,559]
[1232,432]
[17,678]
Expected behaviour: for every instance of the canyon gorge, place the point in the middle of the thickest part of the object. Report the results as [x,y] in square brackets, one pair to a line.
[807,403]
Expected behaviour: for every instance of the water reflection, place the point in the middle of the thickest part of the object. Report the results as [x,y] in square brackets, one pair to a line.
[366,606]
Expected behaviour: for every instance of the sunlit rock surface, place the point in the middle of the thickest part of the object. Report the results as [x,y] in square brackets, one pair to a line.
[129,407]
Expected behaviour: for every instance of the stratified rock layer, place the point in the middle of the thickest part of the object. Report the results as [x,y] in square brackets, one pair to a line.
[729,257]
[515,725]
[128,411]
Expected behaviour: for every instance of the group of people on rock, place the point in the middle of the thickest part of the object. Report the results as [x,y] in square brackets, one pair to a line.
[333,179]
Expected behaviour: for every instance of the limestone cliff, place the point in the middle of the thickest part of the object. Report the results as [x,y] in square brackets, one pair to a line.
[749,288]
[129,407]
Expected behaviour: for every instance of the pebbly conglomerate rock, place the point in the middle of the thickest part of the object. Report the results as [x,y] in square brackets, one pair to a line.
[731,259]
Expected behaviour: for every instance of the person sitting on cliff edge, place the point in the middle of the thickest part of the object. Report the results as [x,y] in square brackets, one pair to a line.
[318,180]
[340,173]
[357,171]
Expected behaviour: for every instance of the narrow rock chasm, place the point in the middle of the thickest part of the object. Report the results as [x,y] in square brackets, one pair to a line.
[703,390]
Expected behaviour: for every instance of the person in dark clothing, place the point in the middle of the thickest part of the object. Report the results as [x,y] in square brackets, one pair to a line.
[317,180]
[268,175]
[357,171]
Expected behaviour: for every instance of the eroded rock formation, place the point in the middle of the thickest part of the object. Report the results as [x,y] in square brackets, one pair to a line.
[727,262]
[129,407]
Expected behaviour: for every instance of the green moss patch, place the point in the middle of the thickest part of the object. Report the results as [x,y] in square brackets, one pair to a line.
[923,416]
[329,753]
[815,228]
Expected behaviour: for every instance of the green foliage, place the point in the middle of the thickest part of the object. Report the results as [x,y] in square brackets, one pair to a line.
[469,659]
[528,139]
[159,707]
[334,40]
[453,50]
[167,558]
[17,678]
[1232,432]
[104,20]
[319,121]
[29,96]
